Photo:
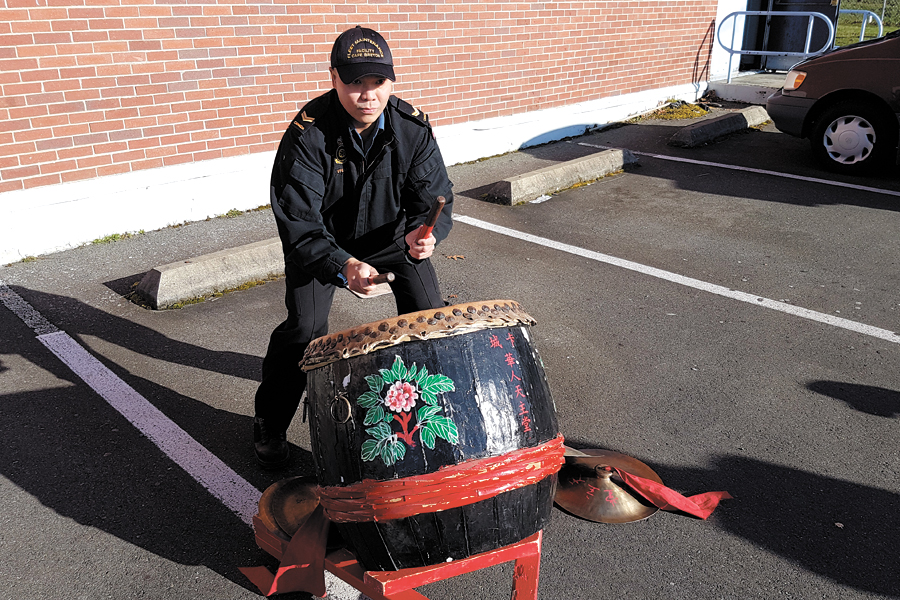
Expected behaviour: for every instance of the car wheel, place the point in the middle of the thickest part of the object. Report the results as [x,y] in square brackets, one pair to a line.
[853,137]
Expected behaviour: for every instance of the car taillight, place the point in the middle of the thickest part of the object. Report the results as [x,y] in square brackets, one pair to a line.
[794,80]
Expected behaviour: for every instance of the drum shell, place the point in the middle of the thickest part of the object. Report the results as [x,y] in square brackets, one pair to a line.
[500,402]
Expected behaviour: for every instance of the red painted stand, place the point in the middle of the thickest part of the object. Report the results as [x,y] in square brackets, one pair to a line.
[398,585]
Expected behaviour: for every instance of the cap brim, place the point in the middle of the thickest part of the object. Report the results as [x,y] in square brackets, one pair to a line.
[350,73]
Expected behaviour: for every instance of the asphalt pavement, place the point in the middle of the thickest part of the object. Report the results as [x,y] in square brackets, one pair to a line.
[725,314]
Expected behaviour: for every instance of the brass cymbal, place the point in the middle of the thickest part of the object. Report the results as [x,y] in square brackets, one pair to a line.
[286,504]
[589,489]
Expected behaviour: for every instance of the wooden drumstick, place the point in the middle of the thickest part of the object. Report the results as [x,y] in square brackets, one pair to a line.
[432,218]
[381,278]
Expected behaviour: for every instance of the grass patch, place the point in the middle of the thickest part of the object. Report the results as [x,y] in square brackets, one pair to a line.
[27,259]
[234,212]
[588,182]
[115,237]
[673,111]
[850,25]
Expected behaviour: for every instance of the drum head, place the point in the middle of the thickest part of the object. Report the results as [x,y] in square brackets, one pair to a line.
[422,325]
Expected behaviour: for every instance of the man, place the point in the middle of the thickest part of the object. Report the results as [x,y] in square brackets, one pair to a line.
[354,178]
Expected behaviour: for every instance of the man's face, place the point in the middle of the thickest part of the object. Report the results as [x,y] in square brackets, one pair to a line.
[364,99]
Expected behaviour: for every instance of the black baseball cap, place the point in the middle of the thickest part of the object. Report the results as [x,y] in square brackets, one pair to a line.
[360,51]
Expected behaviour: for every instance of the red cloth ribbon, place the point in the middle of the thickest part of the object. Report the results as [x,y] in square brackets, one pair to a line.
[302,567]
[701,505]
[449,487]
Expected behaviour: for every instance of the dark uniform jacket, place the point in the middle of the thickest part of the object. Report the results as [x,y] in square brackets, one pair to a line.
[331,202]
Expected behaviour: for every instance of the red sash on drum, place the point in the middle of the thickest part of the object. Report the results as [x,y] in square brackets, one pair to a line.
[302,566]
[449,487]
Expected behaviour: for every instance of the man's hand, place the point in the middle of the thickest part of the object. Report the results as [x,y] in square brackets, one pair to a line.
[420,249]
[358,274]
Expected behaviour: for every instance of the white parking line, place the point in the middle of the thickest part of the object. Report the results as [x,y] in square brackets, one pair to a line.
[712,288]
[206,468]
[706,163]
[201,464]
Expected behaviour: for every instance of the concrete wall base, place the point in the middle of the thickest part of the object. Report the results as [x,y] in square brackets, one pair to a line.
[51,218]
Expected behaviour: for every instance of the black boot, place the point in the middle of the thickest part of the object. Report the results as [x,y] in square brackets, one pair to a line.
[272,449]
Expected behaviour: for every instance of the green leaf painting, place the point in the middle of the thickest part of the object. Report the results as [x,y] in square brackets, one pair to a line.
[405,387]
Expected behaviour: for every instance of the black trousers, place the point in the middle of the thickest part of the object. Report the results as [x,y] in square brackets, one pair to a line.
[309,302]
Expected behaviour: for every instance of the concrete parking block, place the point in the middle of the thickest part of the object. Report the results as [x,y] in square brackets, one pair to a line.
[171,284]
[707,130]
[527,187]
[176,282]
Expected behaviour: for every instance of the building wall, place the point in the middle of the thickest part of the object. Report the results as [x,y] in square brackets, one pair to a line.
[131,89]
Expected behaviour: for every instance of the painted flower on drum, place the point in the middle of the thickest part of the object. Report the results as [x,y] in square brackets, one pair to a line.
[401,397]
[405,386]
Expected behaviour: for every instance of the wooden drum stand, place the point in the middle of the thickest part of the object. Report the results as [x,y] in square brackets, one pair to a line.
[398,585]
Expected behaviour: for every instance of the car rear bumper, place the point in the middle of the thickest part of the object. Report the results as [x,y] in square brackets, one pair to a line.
[788,112]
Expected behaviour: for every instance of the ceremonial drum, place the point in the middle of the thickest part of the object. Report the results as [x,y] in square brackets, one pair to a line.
[434,434]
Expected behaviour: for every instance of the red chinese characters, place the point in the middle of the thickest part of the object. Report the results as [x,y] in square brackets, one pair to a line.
[526,420]
[515,379]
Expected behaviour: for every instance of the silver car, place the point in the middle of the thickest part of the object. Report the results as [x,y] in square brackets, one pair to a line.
[847,102]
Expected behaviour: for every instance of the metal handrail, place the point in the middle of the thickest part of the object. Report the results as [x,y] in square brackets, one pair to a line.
[771,13]
[871,17]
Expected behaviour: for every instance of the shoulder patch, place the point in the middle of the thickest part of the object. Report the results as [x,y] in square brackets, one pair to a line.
[408,109]
[315,108]
[302,121]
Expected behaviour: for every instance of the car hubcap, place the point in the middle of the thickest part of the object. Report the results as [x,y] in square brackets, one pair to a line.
[849,139]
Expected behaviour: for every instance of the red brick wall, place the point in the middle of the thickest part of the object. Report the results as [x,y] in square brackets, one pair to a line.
[97,87]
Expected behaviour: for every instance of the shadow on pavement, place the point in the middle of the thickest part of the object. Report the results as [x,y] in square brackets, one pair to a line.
[124,286]
[836,529]
[69,449]
[79,457]
[76,317]
[750,149]
[869,399]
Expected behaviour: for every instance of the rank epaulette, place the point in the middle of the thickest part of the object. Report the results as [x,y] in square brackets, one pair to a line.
[408,109]
[303,121]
